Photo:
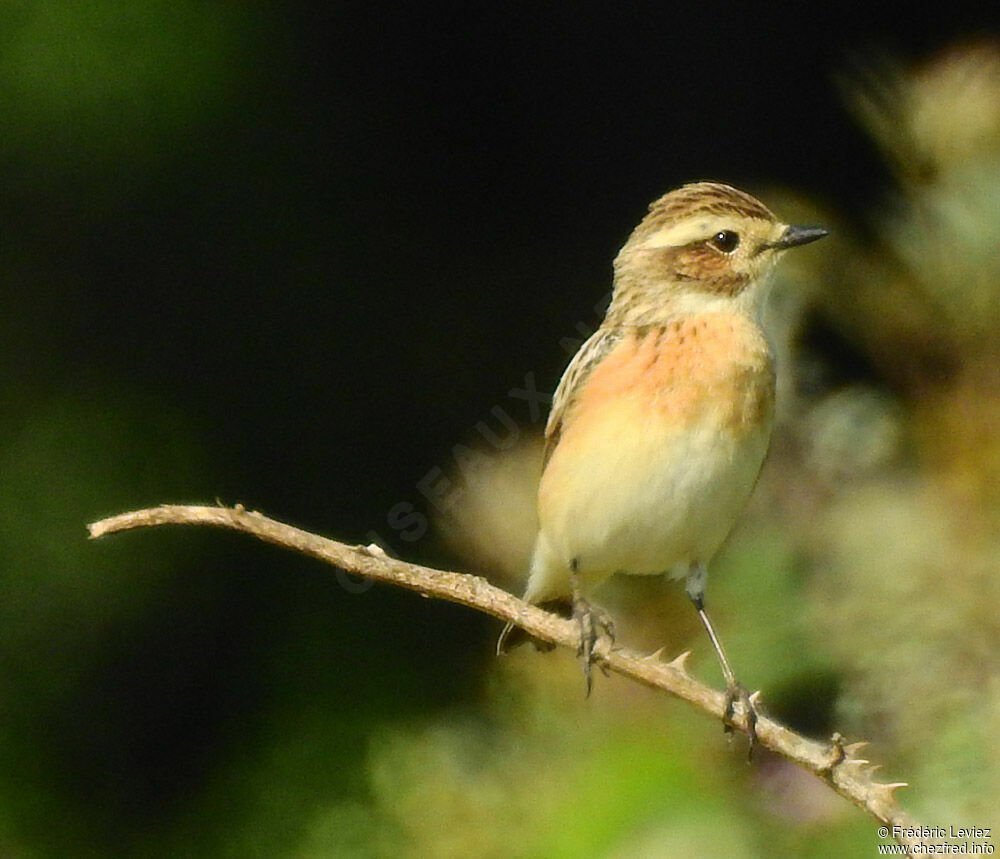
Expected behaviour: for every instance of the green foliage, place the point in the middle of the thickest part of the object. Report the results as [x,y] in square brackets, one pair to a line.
[88,84]
[66,459]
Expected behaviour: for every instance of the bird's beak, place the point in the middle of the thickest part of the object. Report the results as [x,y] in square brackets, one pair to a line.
[795,236]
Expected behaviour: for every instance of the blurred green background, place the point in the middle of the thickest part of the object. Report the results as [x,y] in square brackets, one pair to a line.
[290,255]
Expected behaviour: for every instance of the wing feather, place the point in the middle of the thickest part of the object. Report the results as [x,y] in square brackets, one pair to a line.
[590,354]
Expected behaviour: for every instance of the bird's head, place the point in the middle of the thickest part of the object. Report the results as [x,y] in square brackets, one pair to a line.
[701,246]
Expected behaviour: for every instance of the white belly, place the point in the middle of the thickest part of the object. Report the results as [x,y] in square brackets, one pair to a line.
[656,454]
[648,499]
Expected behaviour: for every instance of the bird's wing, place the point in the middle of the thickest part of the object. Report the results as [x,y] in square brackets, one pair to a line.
[595,348]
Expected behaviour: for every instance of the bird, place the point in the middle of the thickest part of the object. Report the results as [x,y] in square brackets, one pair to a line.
[660,424]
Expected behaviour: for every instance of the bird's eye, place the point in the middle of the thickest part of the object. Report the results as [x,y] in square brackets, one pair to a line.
[726,241]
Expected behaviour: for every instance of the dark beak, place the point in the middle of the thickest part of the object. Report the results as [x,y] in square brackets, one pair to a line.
[795,236]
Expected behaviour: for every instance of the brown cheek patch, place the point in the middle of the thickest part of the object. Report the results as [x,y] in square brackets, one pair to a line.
[705,269]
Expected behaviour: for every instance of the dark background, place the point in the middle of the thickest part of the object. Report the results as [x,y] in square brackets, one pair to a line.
[288,255]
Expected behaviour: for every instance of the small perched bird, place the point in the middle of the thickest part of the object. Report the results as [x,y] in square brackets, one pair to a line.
[661,421]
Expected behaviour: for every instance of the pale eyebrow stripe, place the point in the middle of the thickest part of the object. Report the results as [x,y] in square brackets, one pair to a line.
[689,230]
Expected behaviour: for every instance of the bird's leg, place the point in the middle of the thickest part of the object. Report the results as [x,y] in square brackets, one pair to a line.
[593,621]
[735,691]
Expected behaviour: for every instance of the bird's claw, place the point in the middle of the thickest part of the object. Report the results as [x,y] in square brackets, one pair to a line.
[737,692]
[593,622]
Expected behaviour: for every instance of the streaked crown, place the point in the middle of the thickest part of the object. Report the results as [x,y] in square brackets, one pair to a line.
[705,239]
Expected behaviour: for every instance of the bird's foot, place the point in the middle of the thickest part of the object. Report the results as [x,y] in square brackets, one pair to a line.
[736,692]
[593,622]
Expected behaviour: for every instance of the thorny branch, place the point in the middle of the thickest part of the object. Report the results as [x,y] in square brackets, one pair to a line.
[837,764]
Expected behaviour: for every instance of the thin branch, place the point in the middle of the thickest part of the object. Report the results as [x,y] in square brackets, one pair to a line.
[836,763]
